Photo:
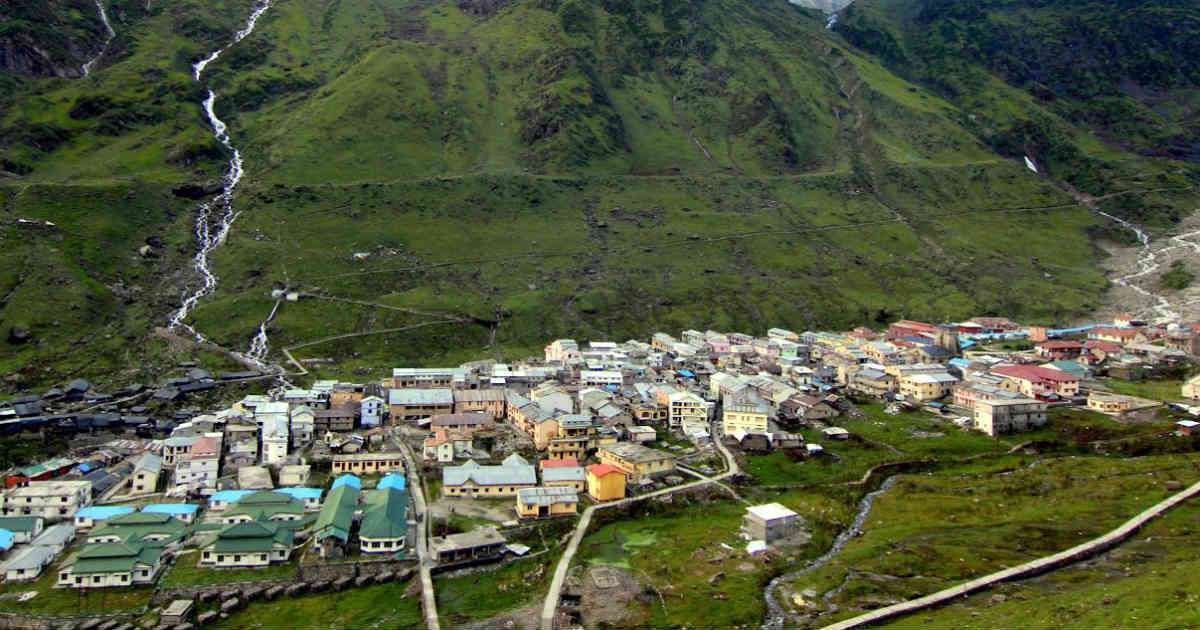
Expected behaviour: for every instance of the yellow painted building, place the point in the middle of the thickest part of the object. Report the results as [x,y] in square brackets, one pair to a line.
[546,502]
[747,416]
[636,461]
[605,483]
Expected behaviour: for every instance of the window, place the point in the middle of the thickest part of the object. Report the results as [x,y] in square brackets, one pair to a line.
[207,554]
[124,577]
[262,557]
[79,580]
[96,579]
[237,558]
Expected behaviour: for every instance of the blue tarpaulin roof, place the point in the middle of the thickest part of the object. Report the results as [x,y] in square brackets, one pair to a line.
[171,508]
[6,539]
[229,496]
[348,480]
[393,480]
[686,373]
[102,512]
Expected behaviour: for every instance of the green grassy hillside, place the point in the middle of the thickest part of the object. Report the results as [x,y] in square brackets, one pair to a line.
[538,168]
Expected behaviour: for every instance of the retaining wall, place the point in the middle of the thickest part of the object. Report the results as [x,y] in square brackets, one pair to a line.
[1029,569]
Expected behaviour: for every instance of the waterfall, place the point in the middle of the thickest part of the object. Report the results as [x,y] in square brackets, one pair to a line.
[110,34]
[214,218]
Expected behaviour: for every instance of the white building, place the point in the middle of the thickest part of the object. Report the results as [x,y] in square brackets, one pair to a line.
[301,429]
[274,440]
[51,500]
[371,411]
[686,408]
[600,378]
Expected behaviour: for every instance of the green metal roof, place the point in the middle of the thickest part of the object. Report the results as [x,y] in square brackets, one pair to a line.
[115,557]
[136,529]
[337,513]
[252,537]
[386,515]
[19,523]
[264,497]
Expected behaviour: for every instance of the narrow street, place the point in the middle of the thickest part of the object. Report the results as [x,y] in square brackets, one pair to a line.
[428,601]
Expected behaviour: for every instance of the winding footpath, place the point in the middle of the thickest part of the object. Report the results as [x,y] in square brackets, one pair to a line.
[1029,569]
[564,563]
[109,35]
[215,217]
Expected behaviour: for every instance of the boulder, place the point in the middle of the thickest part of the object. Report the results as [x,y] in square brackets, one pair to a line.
[318,586]
[197,190]
[231,605]
[19,335]
[207,617]
[207,596]
[363,580]
[273,592]
[342,583]
[252,593]
[386,576]
[296,589]
[232,593]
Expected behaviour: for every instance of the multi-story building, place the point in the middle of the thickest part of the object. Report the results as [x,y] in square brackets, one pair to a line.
[51,500]
[636,461]
[744,415]
[302,425]
[176,448]
[201,467]
[1032,380]
[683,408]
[923,387]
[274,432]
[562,350]
[425,378]
[371,410]
[489,401]
[997,417]
[407,405]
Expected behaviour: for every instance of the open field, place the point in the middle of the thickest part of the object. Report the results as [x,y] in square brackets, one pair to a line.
[376,606]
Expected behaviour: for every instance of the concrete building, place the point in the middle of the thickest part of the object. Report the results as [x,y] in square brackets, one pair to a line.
[408,405]
[371,410]
[997,417]
[770,523]
[474,480]
[51,500]
[489,401]
[744,415]
[636,461]
[481,544]
[605,482]
[275,440]
[145,473]
[425,378]
[367,463]
[547,502]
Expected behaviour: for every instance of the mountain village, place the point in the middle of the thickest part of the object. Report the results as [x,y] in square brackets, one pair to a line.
[340,485]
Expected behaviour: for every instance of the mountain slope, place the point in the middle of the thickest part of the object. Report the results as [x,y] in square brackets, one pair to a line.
[513,171]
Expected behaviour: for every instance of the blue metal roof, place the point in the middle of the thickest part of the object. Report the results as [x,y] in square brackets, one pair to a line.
[229,496]
[686,373]
[301,493]
[171,508]
[102,512]
[347,480]
[6,539]
[392,480]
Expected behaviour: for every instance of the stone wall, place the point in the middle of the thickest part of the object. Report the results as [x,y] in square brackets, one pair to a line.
[333,571]
[18,621]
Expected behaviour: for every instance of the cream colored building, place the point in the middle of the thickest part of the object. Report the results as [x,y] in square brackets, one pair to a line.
[744,415]
[997,417]
[636,461]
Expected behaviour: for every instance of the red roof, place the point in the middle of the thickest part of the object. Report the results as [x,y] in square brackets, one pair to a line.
[1034,373]
[1123,333]
[914,325]
[1060,345]
[568,462]
[601,470]
[1106,346]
